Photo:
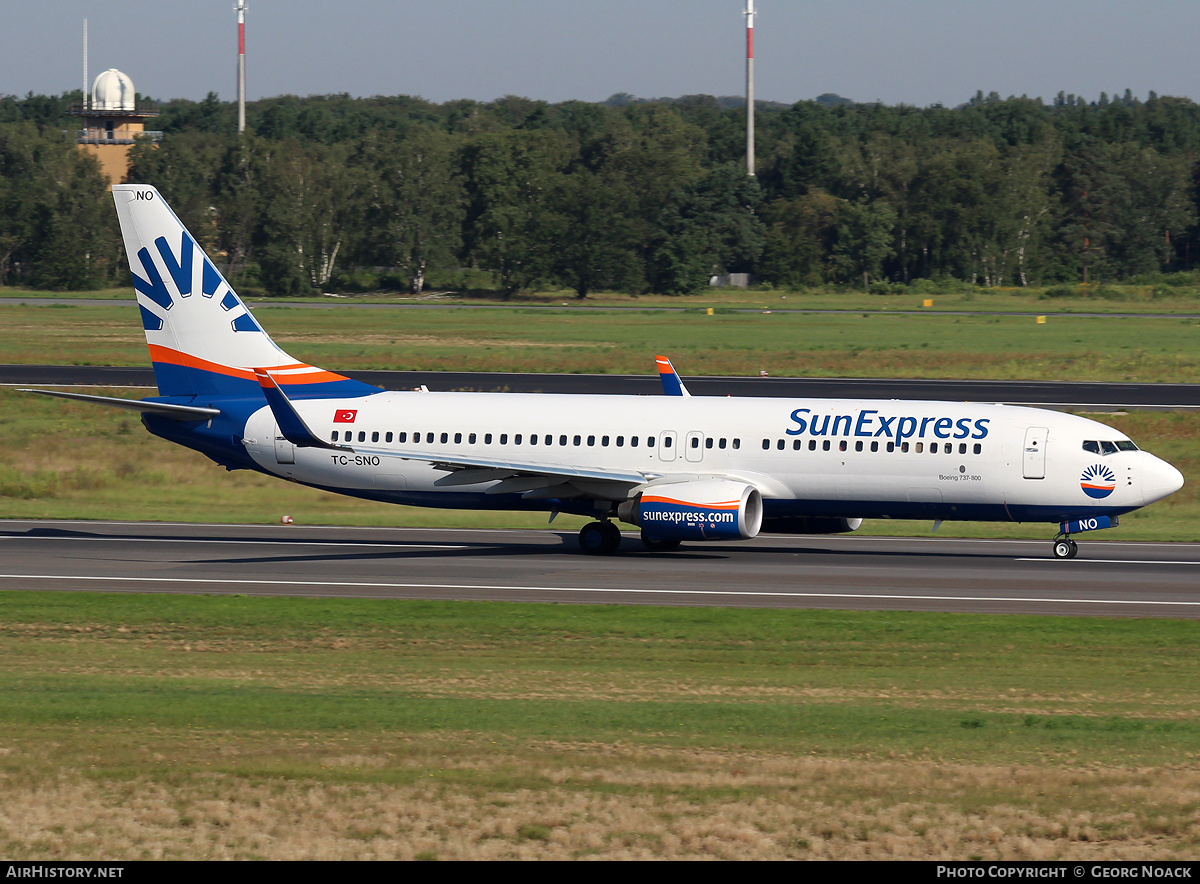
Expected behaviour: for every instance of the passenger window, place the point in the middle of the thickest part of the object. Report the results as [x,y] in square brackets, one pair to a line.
[471,439]
[842,445]
[549,440]
[487,438]
[825,445]
[533,438]
[779,444]
[812,444]
[858,446]
[458,438]
[737,443]
[666,442]
[695,442]
[577,440]
[562,440]
[874,446]
[334,438]
[603,441]
[797,445]
[388,437]
[620,441]
[891,446]
[633,441]
[920,447]
[708,443]
[962,447]
[504,438]
[375,436]
[978,448]
[362,436]
[591,441]
[721,444]
[429,438]
[517,439]
[403,437]
[766,444]
[650,441]
[445,438]
[904,447]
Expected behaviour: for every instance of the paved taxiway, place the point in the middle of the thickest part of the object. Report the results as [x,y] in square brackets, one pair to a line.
[927,574]
[1070,395]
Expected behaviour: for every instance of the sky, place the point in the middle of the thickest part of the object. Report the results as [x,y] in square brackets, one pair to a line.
[915,52]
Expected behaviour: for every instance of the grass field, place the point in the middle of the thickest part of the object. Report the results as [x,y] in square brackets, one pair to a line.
[1124,348]
[229,727]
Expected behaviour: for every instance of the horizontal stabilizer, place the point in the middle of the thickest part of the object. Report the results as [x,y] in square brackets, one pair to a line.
[162,409]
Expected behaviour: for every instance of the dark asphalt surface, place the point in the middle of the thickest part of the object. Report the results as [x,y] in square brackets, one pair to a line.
[1095,396]
[1109,578]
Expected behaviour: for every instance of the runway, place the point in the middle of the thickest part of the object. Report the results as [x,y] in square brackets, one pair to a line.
[1111,579]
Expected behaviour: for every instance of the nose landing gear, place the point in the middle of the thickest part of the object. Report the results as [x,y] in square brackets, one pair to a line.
[1065,548]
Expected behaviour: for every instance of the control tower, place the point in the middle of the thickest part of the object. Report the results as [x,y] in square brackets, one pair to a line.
[113,121]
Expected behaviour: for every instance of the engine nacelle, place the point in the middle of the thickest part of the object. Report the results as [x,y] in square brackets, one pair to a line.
[808,525]
[707,509]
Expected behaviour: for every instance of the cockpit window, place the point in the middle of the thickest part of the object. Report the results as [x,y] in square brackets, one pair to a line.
[1104,447]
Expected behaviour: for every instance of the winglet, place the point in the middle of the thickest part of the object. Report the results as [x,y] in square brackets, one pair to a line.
[291,425]
[672,385]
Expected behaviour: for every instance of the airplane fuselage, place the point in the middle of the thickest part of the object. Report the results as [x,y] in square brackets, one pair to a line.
[813,458]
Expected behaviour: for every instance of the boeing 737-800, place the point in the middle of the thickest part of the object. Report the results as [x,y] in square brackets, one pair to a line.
[679,467]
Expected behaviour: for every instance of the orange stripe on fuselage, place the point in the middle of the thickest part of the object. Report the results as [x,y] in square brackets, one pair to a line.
[720,505]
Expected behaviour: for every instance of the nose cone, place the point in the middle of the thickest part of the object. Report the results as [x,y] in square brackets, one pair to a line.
[1159,479]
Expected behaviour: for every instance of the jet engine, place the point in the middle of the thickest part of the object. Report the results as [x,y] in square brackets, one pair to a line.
[706,509]
[808,525]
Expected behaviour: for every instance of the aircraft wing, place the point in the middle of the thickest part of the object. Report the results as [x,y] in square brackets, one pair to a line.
[529,478]
[162,409]
[525,477]
[672,384]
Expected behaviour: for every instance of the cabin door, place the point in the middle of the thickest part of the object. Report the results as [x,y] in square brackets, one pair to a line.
[1033,457]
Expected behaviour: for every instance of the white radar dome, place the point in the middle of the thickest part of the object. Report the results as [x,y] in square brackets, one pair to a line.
[113,91]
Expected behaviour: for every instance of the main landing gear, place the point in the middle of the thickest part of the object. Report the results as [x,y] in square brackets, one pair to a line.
[1065,548]
[599,538]
[603,539]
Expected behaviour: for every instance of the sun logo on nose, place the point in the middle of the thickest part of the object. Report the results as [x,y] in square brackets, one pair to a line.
[1098,481]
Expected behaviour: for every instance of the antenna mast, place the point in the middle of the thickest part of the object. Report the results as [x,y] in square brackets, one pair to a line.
[750,87]
[240,9]
[84,96]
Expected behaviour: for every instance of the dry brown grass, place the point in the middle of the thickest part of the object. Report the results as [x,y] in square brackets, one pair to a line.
[457,798]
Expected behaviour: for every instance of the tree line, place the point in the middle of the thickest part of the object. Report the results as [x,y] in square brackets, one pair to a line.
[333,192]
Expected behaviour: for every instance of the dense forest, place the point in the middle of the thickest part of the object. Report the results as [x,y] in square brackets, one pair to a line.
[347,194]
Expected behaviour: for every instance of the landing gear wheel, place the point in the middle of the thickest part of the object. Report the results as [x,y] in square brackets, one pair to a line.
[599,538]
[1065,549]
[658,544]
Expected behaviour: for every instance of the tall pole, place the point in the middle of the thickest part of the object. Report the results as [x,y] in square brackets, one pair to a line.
[241,13]
[750,87]
[85,105]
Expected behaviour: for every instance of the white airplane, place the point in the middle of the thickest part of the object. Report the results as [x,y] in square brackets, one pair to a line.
[680,467]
